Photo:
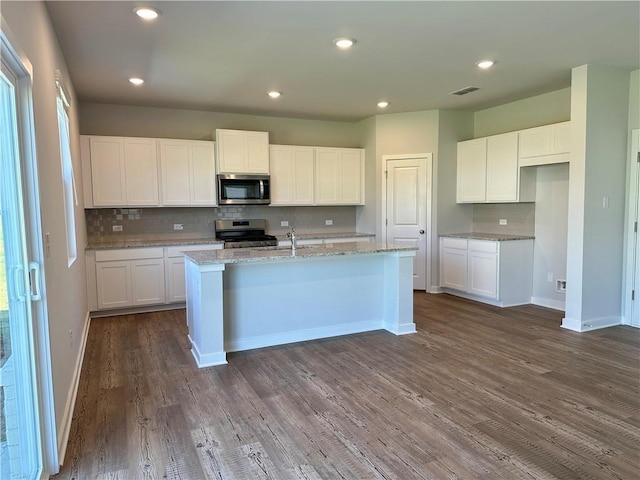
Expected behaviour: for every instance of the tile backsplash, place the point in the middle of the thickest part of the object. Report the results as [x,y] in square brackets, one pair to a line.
[199,222]
[520,218]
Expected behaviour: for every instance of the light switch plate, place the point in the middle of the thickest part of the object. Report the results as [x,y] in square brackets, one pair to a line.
[328,222]
[503,221]
[284,223]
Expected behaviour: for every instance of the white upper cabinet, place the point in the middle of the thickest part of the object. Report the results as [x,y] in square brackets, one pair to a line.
[502,168]
[241,151]
[545,145]
[488,171]
[124,171]
[472,171]
[292,175]
[339,176]
[141,171]
[188,172]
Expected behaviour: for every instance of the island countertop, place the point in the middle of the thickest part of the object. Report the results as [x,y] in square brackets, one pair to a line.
[265,254]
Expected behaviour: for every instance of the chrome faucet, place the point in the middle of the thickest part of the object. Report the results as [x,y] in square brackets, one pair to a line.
[292,236]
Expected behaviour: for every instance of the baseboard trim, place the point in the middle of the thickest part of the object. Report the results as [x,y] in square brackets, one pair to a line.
[132,310]
[208,360]
[302,335]
[548,303]
[590,325]
[65,430]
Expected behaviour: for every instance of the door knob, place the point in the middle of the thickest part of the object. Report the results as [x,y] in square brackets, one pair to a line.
[421,232]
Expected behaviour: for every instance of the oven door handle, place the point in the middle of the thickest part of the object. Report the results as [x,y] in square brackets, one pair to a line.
[261,189]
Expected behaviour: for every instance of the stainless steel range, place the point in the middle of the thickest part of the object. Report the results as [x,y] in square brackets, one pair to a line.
[244,233]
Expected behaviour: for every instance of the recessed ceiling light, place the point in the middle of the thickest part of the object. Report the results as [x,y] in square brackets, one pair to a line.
[344,43]
[484,64]
[383,104]
[147,13]
[274,94]
[136,81]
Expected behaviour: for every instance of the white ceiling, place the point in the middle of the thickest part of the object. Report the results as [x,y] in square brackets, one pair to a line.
[225,56]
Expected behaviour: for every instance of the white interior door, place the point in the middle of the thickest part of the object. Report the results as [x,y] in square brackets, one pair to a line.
[406,207]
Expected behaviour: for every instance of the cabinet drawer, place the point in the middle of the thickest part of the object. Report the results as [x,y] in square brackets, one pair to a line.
[483,246]
[448,242]
[173,252]
[129,254]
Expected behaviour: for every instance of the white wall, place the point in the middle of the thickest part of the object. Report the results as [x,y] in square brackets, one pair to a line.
[552,107]
[550,246]
[65,286]
[366,215]
[103,119]
[599,132]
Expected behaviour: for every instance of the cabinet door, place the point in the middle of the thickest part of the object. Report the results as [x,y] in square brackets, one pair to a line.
[175,278]
[350,177]
[453,268]
[113,280]
[147,281]
[202,172]
[562,137]
[176,179]
[107,171]
[339,174]
[257,152]
[232,151]
[472,171]
[502,168]
[141,171]
[291,175]
[483,273]
[283,174]
[327,167]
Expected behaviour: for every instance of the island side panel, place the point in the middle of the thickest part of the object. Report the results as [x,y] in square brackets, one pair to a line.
[205,313]
[273,303]
[398,293]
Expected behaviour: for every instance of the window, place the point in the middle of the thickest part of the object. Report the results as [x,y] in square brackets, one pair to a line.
[68,181]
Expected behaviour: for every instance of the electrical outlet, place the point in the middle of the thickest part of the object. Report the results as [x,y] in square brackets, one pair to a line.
[116,228]
[328,222]
[284,223]
[561,286]
[178,226]
[503,221]
[550,277]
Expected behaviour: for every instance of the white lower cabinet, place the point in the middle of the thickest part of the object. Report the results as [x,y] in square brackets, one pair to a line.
[129,277]
[453,263]
[136,277]
[174,270]
[495,272]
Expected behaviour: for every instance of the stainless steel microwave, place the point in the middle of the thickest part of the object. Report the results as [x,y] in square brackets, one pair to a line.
[243,189]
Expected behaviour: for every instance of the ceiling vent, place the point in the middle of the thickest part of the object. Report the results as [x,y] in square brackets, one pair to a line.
[464,91]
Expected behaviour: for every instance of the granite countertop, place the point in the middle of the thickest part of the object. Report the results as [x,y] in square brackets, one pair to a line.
[265,254]
[497,237]
[112,242]
[168,240]
[321,236]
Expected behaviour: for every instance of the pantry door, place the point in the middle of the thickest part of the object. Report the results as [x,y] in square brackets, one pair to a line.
[408,186]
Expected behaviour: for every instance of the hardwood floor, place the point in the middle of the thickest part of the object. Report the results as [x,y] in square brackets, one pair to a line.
[478,393]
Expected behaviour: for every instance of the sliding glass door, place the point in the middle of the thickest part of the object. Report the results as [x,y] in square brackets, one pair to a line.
[20,445]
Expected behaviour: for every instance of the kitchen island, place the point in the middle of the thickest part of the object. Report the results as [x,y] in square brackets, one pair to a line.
[240,299]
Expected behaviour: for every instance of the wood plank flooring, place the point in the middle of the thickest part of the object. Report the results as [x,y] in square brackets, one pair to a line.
[478,393]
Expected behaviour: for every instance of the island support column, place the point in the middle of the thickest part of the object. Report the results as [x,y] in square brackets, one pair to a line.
[205,316]
[398,293]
